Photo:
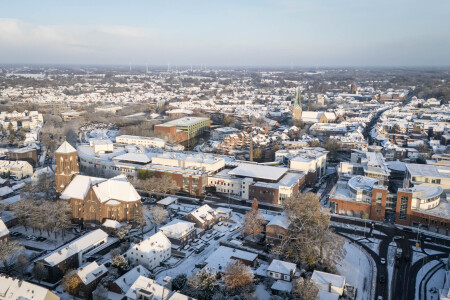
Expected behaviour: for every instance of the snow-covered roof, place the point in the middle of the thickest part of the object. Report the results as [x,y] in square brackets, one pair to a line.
[6,190]
[280,220]
[281,285]
[12,288]
[65,148]
[111,224]
[179,296]
[74,247]
[156,241]
[324,295]
[223,255]
[91,272]
[148,285]
[167,200]
[327,278]
[116,188]
[125,281]
[3,229]
[177,226]
[428,170]
[203,213]
[282,267]
[258,171]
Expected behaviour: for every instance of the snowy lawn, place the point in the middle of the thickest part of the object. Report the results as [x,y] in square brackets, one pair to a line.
[358,270]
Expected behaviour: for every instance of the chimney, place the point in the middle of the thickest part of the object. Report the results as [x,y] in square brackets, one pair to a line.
[329,287]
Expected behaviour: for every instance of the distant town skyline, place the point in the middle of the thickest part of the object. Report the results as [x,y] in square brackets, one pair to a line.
[227,33]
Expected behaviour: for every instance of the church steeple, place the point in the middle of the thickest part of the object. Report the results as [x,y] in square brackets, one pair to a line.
[66,165]
[297,113]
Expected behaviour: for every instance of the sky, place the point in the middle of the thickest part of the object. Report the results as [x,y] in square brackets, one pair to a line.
[227,33]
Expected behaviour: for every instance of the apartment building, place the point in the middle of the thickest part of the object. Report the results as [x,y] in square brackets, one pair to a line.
[140,140]
[183,129]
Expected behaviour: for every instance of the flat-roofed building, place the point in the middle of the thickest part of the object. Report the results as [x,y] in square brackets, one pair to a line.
[183,129]
[141,140]
[432,175]
[72,255]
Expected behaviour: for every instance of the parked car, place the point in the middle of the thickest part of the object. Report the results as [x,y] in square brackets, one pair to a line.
[220,223]
[382,260]
[382,279]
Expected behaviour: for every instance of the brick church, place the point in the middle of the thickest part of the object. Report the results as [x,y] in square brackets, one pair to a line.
[93,199]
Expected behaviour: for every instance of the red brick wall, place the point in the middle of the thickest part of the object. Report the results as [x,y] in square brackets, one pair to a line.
[263,194]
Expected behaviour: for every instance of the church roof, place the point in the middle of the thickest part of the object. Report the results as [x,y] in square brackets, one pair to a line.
[117,188]
[65,148]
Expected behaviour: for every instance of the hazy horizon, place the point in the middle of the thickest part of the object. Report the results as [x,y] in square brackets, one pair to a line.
[270,33]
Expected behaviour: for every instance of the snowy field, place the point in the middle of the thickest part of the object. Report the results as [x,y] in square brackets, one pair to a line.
[358,270]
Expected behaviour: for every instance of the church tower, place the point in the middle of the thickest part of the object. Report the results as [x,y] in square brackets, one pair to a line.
[297,113]
[66,161]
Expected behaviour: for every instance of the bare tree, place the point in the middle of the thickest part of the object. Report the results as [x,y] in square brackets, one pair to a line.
[22,264]
[238,277]
[305,288]
[167,185]
[309,239]
[40,272]
[158,215]
[253,220]
[9,252]
[204,284]
[71,282]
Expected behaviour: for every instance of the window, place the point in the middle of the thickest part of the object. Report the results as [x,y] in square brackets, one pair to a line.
[403,207]
[378,198]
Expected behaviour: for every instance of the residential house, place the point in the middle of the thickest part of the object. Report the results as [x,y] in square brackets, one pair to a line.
[204,217]
[13,288]
[282,270]
[179,232]
[329,282]
[276,229]
[150,252]
[89,276]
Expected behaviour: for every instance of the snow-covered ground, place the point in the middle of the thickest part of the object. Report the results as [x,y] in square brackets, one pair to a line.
[422,272]
[49,244]
[358,269]
[261,293]
[418,254]
[436,282]
[356,228]
[372,243]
